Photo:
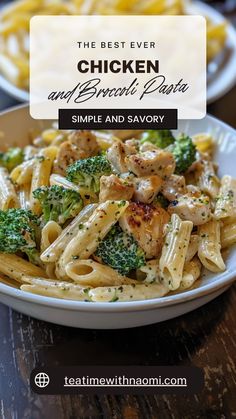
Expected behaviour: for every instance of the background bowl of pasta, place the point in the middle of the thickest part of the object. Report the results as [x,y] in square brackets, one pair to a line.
[107,299]
[14,37]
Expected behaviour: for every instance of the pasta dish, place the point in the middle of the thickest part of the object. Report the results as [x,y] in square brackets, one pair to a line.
[15,19]
[107,216]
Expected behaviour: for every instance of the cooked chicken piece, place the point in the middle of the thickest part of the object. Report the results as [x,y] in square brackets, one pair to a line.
[80,145]
[146,188]
[203,173]
[86,142]
[118,151]
[193,172]
[190,178]
[193,190]
[113,187]
[116,156]
[173,186]
[147,147]
[132,146]
[146,223]
[192,208]
[105,139]
[128,176]
[67,155]
[124,134]
[153,162]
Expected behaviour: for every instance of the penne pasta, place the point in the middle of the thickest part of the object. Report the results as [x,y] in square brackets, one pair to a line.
[8,196]
[9,69]
[24,196]
[208,182]
[89,272]
[50,269]
[149,273]
[50,136]
[105,139]
[19,7]
[13,45]
[174,252]
[128,292]
[209,251]
[55,250]
[216,38]
[204,142]
[56,289]
[62,181]
[30,152]
[41,174]
[226,201]
[228,235]
[23,173]
[191,273]
[16,267]
[229,220]
[9,281]
[192,247]
[50,232]
[86,241]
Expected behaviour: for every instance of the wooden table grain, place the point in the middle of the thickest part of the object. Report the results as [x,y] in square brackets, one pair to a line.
[205,338]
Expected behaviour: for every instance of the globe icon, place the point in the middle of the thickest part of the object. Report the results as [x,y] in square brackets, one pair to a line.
[41,380]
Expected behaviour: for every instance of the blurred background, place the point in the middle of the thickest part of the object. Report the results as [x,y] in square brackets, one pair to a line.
[14,21]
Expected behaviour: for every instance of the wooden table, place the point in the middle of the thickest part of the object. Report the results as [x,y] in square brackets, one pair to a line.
[205,338]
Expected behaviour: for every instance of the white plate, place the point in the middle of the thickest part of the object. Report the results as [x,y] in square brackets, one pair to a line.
[12,90]
[16,124]
[222,74]
[222,71]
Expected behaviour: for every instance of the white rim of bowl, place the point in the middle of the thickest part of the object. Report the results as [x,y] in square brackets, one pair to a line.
[225,279]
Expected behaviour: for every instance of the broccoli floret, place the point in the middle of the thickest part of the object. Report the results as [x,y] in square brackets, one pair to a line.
[12,158]
[160,138]
[87,172]
[18,229]
[161,201]
[120,251]
[184,152]
[58,203]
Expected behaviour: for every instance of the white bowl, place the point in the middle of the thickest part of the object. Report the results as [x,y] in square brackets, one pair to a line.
[16,125]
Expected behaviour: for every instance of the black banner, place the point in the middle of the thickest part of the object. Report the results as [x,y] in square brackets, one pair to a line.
[118,119]
[117,380]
